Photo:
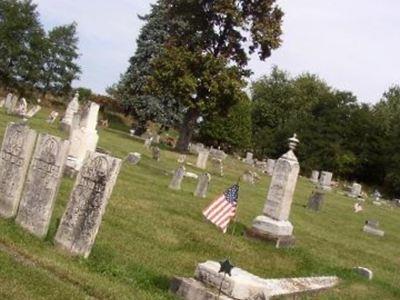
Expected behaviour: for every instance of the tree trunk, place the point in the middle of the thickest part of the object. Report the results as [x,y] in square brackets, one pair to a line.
[186,130]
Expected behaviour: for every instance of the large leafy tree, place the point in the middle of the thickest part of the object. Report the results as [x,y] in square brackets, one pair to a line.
[59,66]
[203,64]
[136,99]
[21,44]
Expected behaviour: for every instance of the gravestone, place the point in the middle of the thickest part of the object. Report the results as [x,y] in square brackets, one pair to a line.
[2,101]
[147,142]
[33,111]
[248,176]
[42,183]
[355,190]
[270,166]
[372,227]
[202,159]
[182,158]
[357,207]
[316,200]
[83,138]
[364,272]
[325,180]
[13,105]
[133,158]
[7,102]
[21,107]
[82,218]
[202,185]
[72,109]
[241,285]
[314,176]
[176,181]
[249,158]
[262,165]
[274,224]
[16,151]
[156,153]
[217,166]
[52,117]
[218,154]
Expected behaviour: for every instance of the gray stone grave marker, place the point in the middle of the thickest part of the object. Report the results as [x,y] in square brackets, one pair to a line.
[316,200]
[42,183]
[82,218]
[16,151]
[202,185]
[176,181]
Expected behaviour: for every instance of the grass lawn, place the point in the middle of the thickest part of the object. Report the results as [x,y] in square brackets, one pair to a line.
[150,233]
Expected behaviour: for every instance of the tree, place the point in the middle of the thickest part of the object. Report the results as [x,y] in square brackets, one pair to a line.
[136,100]
[205,56]
[21,44]
[231,132]
[59,67]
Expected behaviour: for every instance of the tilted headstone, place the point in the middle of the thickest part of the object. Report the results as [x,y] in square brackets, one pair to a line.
[13,105]
[133,158]
[82,218]
[249,158]
[72,109]
[42,183]
[7,102]
[202,159]
[21,107]
[16,151]
[202,185]
[270,166]
[84,138]
[355,190]
[325,180]
[217,166]
[147,142]
[314,176]
[176,181]
[316,200]
[33,111]
[52,117]
[156,153]
[274,223]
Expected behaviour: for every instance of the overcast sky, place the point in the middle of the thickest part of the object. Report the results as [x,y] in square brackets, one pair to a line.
[352,44]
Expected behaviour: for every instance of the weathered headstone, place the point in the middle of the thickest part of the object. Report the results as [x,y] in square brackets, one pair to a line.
[217,166]
[202,185]
[2,101]
[147,142]
[248,176]
[52,117]
[41,187]
[218,154]
[13,104]
[262,166]
[202,159]
[7,102]
[364,272]
[156,153]
[176,181]
[325,180]
[85,137]
[133,158]
[372,227]
[82,218]
[182,158]
[316,200]
[357,207]
[314,176]
[355,190]
[249,158]
[242,285]
[270,166]
[16,151]
[33,111]
[274,224]
[21,107]
[72,109]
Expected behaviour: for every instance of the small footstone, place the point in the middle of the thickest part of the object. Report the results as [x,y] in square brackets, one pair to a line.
[364,272]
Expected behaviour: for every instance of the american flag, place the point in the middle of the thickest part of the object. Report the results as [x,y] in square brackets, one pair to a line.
[222,210]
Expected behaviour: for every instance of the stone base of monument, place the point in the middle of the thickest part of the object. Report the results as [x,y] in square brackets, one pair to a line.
[273,231]
[209,284]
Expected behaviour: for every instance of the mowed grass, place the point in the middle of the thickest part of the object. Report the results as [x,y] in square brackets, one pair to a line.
[150,234]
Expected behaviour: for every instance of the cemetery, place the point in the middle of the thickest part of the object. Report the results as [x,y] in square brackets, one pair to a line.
[206,171]
[151,235]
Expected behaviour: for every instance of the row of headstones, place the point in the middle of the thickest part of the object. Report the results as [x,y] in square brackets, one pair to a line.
[266,165]
[31,168]
[19,107]
[202,184]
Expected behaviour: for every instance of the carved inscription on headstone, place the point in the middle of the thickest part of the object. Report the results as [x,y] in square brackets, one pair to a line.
[82,217]
[15,155]
[42,184]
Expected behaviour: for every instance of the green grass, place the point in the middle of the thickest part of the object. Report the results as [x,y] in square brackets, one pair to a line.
[150,233]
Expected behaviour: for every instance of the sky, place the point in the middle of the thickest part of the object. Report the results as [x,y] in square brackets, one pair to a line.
[352,45]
